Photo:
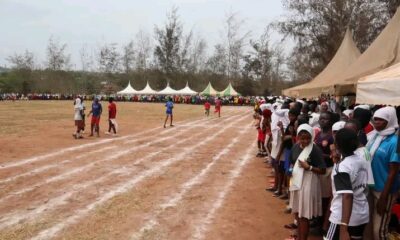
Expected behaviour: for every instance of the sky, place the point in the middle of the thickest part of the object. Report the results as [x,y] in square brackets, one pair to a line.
[28,24]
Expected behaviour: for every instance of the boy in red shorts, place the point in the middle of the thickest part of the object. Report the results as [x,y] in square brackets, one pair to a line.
[207,107]
[96,111]
[218,104]
[112,113]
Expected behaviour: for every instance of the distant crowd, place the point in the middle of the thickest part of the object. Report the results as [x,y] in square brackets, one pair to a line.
[196,99]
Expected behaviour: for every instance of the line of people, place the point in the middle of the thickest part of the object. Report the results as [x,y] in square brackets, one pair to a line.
[337,171]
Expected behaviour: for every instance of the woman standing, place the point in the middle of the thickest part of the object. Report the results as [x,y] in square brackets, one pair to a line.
[305,189]
[385,167]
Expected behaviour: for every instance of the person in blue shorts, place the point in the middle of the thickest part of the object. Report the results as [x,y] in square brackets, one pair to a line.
[169,105]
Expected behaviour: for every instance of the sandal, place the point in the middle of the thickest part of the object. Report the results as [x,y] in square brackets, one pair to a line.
[291,226]
[271,189]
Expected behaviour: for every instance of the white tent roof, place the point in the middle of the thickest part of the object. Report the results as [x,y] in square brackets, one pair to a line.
[186,90]
[380,88]
[128,90]
[168,91]
[147,90]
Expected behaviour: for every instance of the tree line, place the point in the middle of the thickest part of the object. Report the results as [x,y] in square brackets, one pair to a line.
[253,64]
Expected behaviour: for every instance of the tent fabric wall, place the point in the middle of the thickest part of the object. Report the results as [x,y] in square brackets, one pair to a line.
[383,52]
[209,91]
[147,90]
[380,88]
[346,55]
[186,90]
[229,91]
[167,91]
[129,90]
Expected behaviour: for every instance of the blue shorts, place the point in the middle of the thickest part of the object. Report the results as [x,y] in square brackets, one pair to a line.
[287,152]
[169,112]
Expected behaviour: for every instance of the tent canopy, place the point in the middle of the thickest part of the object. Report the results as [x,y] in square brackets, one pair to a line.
[147,90]
[229,91]
[167,91]
[383,52]
[129,90]
[380,88]
[345,56]
[186,90]
[209,91]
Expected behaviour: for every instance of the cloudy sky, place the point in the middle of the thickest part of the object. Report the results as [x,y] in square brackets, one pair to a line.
[28,24]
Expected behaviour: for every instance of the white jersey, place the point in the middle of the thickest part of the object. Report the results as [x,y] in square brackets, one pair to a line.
[350,176]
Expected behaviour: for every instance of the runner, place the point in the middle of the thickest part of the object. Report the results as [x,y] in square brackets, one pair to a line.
[207,107]
[96,111]
[218,105]
[169,105]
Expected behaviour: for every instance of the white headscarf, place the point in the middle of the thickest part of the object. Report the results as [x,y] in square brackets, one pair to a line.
[338,125]
[297,175]
[366,107]
[78,104]
[388,114]
[348,112]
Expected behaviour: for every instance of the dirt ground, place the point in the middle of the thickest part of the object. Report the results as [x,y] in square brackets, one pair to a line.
[197,180]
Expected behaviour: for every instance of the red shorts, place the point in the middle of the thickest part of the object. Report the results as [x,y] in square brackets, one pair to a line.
[261,135]
[217,109]
[95,120]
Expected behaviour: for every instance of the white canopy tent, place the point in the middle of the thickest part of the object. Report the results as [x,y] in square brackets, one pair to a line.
[168,91]
[186,90]
[129,90]
[147,90]
[382,87]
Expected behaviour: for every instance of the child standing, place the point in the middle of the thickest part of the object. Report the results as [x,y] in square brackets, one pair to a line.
[112,113]
[169,105]
[262,151]
[207,107]
[96,111]
[78,117]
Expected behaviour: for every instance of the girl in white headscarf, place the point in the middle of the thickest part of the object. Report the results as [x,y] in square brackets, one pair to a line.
[78,117]
[385,166]
[305,190]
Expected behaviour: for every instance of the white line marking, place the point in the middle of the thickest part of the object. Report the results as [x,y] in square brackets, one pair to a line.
[202,227]
[70,149]
[89,165]
[127,186]
[196,180]
[15,217]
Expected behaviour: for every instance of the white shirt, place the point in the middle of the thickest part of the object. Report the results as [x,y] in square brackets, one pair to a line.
[350,176]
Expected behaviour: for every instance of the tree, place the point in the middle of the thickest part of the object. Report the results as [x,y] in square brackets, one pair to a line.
[86,59]
[217,63]
[57,59]
[235,42]
[142,49]
[128,57]
[167,51]
[318,27]
[109,58]
[23,61]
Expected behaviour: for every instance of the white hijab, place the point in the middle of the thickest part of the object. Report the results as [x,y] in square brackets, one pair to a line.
[298,172]
[338,125]
[78,103]
[388,114]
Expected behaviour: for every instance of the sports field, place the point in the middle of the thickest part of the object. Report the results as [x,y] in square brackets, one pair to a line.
[197,180]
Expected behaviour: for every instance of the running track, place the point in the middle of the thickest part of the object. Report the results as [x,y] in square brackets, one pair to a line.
[154,184]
